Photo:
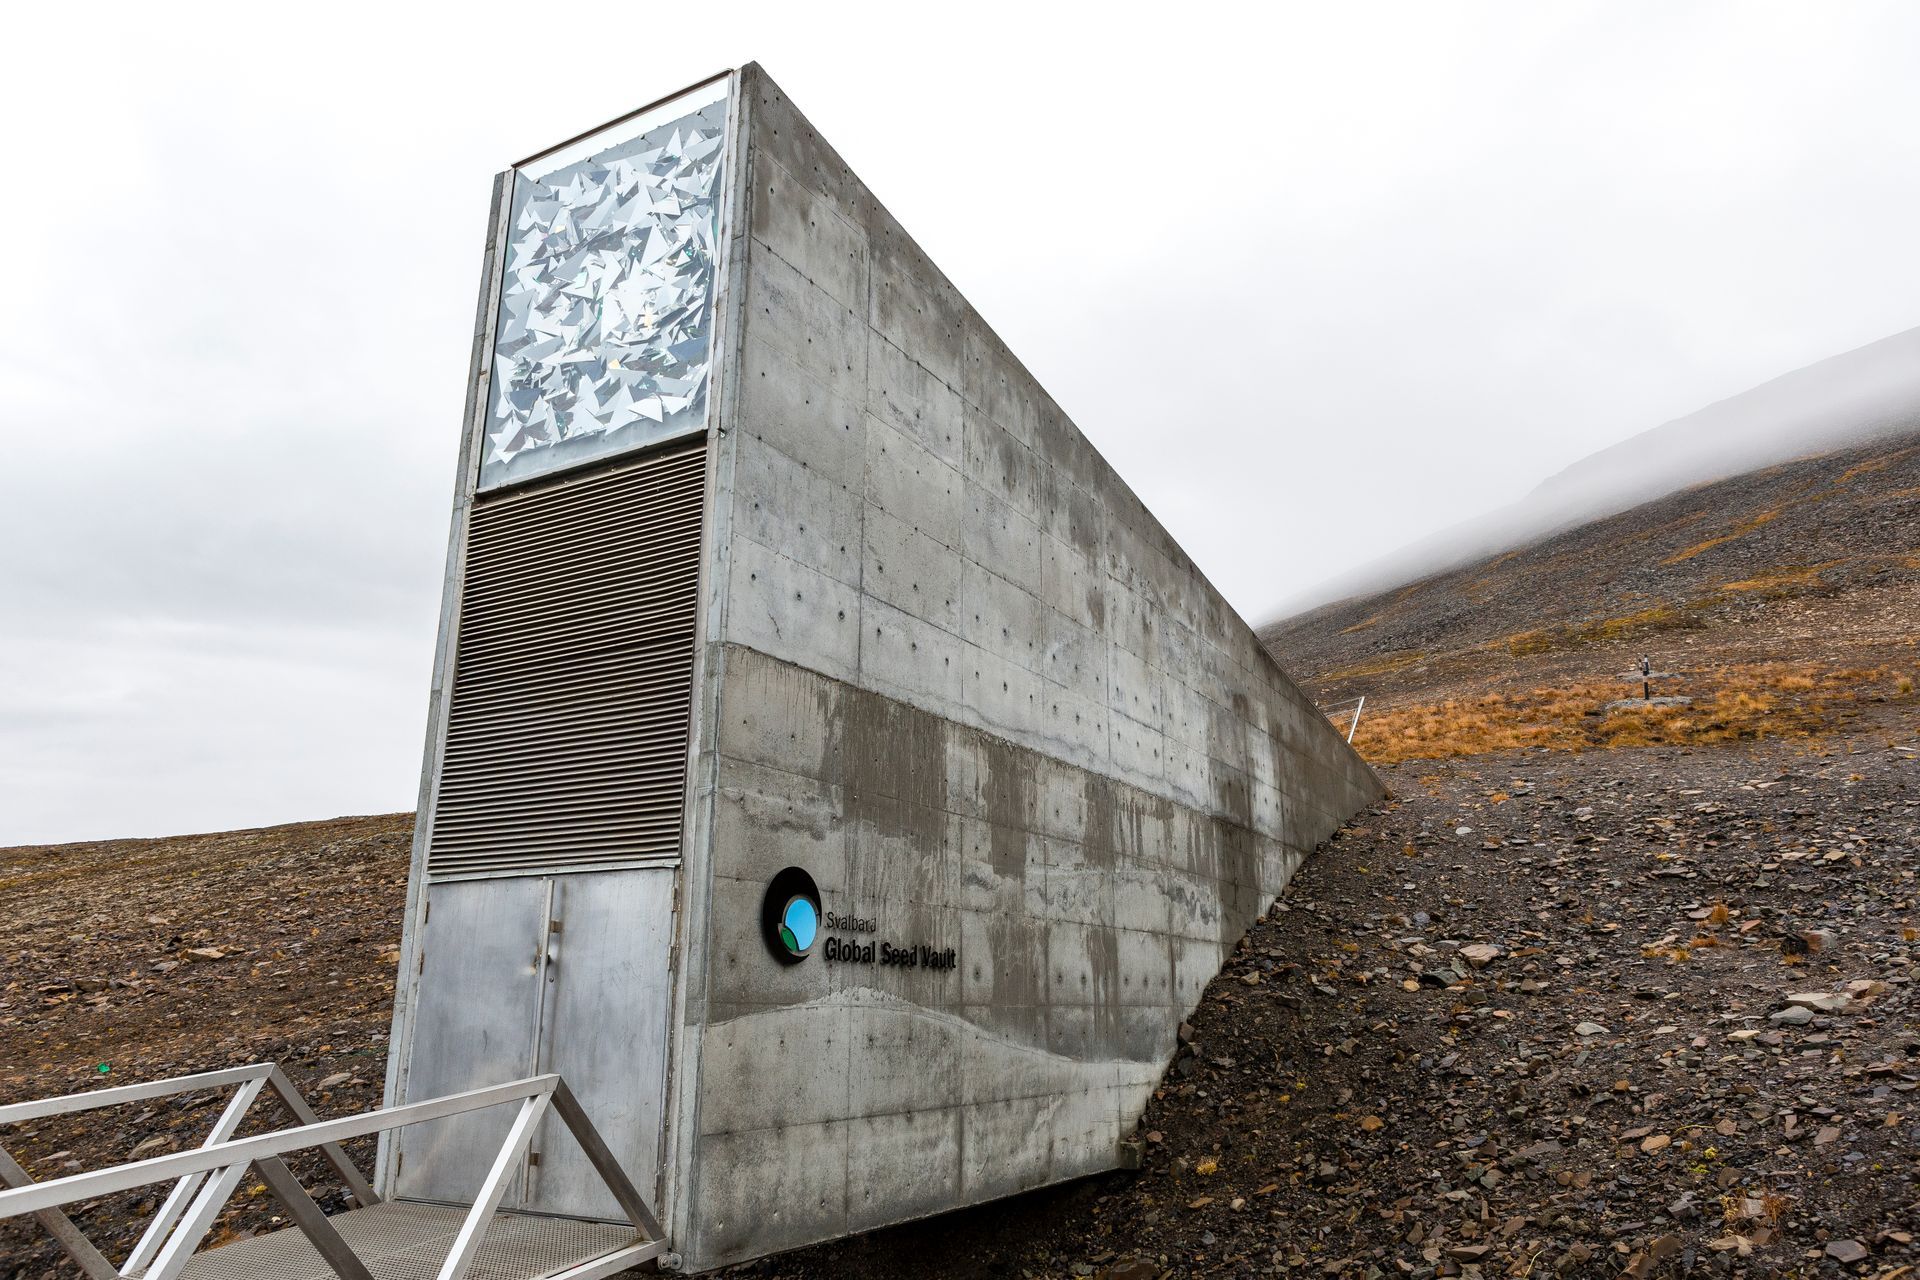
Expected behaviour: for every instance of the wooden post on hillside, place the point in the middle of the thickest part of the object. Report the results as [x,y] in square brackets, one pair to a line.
[1646,675]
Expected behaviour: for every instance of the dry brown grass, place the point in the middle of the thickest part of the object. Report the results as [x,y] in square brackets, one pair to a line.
[1738,531]
[1528,642]
[1873,464]
[1656,617]
[1785,581]
[1737,703]
[1774,584]
[1376,666]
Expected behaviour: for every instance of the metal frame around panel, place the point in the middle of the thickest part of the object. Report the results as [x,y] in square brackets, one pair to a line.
[498,278]
[622,119]
[466,484]
[407,981]
[692,925]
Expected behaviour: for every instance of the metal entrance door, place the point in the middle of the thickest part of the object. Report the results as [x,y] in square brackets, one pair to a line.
[527,975]
[604,1024]
[554,841]
[475,1018]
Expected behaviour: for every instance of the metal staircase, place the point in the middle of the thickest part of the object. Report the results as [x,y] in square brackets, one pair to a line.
[377,1239]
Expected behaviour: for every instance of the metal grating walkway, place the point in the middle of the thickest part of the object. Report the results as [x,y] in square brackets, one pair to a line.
[410,1241]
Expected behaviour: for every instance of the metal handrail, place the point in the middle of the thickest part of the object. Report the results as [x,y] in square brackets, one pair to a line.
[222,1164]
[1360,704]
[251,1081]
[41,1108]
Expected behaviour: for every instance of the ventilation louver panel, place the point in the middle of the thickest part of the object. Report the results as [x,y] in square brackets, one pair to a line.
[573,674]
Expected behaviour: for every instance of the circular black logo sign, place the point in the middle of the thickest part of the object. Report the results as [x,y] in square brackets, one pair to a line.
[790,915]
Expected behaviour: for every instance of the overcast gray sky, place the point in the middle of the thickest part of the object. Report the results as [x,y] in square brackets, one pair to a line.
[1317,279]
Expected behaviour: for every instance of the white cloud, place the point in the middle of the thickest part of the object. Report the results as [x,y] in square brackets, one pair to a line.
[1316,278]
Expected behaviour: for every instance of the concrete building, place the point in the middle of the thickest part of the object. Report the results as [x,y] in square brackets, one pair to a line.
[834,770]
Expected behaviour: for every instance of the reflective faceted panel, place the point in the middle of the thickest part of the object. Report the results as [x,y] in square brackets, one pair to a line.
[603,339]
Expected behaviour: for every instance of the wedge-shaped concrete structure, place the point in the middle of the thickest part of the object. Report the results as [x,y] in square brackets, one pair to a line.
[835,771]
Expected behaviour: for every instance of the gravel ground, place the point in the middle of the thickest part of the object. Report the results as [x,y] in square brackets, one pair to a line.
[1534,1017]
[129,960]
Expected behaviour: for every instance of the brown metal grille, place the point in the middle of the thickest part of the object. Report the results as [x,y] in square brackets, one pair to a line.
[573,674]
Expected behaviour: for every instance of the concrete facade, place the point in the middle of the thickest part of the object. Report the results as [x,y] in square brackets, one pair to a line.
[953,668]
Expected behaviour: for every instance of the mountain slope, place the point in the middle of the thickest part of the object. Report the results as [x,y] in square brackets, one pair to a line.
[1856,397]
[1862,396]
[1809,568]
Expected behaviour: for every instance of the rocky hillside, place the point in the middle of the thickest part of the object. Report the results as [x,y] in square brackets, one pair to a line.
[1855,398]
[1797,585]
[130,960]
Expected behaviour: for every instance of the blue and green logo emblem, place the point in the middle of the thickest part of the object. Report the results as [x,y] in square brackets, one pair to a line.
[790,915]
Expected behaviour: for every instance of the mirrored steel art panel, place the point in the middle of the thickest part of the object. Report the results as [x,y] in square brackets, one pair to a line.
[603,339]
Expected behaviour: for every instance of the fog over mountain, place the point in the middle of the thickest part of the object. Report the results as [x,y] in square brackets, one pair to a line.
[1315,279]
[1868,392]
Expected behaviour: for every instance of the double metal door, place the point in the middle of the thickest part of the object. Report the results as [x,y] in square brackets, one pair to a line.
[530,974]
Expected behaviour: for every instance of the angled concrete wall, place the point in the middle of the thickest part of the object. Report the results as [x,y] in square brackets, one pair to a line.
[955,670]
